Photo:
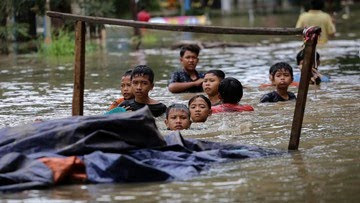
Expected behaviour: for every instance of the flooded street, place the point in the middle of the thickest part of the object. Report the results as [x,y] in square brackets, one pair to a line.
[326,167]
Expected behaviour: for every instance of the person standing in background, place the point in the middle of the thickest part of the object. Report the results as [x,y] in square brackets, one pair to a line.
[143,15]
[316,17]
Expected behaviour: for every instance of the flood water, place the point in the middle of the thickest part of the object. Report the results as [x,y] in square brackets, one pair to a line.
[326,167]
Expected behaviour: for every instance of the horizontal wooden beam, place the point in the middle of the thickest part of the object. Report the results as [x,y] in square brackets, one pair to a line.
[181,28]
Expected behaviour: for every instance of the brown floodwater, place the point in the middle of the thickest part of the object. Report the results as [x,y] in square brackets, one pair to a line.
[325,168]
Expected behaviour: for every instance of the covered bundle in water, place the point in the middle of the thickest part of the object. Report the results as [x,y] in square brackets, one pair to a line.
[123,147]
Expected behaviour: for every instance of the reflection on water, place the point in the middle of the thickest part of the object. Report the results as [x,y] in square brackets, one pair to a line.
[327,166]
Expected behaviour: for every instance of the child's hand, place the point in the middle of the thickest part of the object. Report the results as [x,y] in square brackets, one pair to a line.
[315,78]
[199,82]
[127,108]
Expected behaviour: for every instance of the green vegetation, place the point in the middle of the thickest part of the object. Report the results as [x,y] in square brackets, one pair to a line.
[63,44]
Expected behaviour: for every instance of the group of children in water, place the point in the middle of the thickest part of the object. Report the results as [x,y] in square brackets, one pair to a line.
[223,93]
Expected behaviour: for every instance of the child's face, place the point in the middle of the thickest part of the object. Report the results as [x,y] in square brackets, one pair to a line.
[282,79]
[189,60]
[141,86]
[126,87]
[211,84]
[178,119]
[199,110]
[271,78]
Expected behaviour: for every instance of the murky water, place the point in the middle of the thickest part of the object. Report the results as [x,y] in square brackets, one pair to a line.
[326,167]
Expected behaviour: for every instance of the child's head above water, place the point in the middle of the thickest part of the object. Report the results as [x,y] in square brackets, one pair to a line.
[177,117]
[282,75]
[143,70]
[189,57]
[194,48]
[200,108]
[142,82]
[300,58]
[211,82]
[218,73]
[230,90]
[281,66]
[126,85]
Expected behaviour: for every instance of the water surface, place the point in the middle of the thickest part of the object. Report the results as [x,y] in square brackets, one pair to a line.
[326,167]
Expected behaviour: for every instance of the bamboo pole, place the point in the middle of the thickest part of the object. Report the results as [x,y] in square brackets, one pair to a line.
[309,58]
[79,69]
[182,28]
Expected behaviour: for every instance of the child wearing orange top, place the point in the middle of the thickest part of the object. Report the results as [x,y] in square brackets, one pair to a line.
[231,92]
[125,90]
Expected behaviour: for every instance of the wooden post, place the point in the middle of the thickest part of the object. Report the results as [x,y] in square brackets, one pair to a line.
[79,69]
[309,58]
[134,10]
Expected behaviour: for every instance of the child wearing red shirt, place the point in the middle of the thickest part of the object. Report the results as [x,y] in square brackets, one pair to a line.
[231,92]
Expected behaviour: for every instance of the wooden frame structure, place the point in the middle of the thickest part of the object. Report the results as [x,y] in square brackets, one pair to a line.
[79,67]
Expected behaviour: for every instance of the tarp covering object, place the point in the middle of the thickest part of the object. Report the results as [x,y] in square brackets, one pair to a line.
[123,147]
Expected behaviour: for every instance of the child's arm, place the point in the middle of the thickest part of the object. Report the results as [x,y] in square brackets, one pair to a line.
[316,77]
[178,87]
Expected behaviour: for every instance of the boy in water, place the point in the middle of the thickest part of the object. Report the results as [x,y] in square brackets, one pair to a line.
[211,83]
[142,82]
[177,117]
[316,77]
[231,92]
[125,88]
[187,79]
[282,76]
[295,84]
[200,108]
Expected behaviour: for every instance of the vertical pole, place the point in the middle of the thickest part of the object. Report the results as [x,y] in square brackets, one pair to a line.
[309,57]
[79,69]
[47,25]
[134,10]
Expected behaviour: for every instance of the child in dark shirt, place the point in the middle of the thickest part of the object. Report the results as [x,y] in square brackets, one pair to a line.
[177,117]
[231,92]
[282,77]
[295,84]
[142,82]
[211,83]
[187,79]
[125,88]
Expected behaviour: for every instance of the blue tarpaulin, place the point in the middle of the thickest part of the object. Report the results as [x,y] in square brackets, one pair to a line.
[123,147]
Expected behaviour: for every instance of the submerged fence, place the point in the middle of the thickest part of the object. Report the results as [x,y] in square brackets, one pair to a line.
[311,37]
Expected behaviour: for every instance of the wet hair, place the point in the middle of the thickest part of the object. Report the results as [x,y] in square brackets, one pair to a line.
[190,47]
[177,106]
[317,4]
[230,90]
[143,70]
[127,73]
[300,56]
[281,66]
[271,69]
[207,100]
[218,73]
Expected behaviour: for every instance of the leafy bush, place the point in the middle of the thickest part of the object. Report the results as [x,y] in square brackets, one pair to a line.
[63,44]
